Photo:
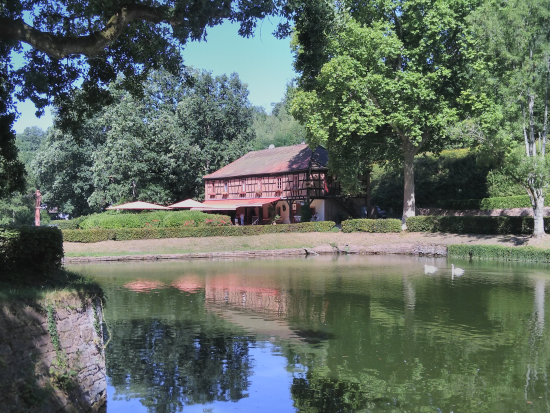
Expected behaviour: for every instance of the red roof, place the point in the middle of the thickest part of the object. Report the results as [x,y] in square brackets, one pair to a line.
[273,161]
[232,204]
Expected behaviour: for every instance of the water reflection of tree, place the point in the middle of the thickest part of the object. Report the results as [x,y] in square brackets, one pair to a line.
[492,357]
[171,361]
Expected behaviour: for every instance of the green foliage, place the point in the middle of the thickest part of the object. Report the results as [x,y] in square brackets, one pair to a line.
[54,335]
[62,168]
[371,225]
[25,249]
[519,201]
[388,85]
[62,376]
[500,185]
[506,202]
[508,95]
[453,175]
[279,128]
[17,209]
[28,144]
[124,234]
[154,148]
[12,170]
[157,219]
[473,224]
[69,223]
[88,235]
[499,252]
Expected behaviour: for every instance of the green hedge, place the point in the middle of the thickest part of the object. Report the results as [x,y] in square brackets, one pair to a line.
[371,225]
[124,234]
[30,249]
[505,202]
[498,252]
[474,224]
[156,219]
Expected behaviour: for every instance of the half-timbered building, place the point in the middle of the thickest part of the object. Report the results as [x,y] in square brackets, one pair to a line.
[283,178]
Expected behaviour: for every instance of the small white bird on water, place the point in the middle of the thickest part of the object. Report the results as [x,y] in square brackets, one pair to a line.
[430,269]
[456,271]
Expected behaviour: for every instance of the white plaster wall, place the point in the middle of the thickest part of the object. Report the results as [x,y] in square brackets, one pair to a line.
[284,214]
[319,205]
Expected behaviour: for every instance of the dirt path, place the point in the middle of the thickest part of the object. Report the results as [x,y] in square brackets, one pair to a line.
[377,243]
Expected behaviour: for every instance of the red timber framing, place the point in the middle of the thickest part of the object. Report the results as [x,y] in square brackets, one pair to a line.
[296,174]
[302,179]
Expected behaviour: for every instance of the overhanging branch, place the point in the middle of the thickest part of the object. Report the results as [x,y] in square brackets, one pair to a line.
[59,47]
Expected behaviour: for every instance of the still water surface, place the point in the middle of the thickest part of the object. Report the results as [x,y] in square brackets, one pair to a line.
[326,334]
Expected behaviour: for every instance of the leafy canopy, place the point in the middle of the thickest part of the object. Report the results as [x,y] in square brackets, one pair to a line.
[154,149]
[388,85]
[72,50]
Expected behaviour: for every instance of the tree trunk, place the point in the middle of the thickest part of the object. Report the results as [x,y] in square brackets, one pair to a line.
[409,206]
[538,211]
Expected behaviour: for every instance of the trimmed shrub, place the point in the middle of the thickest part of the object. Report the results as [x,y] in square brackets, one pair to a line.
[459,204]
[474,224]
[88,235]
[371,225]
[505,202]
[30,249]
[124,234]
[157,219]
[498,252]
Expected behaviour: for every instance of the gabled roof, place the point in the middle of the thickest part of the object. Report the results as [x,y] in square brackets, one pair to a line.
[138,205]
[274,161]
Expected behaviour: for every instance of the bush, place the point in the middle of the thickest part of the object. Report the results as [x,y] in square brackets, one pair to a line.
[474,224]
[122,234]
[30,249]
[506,202]
[498,252]
[70,223]
[371,225]
[157,219]
[454,174]
[88,235]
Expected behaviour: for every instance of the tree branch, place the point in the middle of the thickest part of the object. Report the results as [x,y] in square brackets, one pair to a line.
[59,47]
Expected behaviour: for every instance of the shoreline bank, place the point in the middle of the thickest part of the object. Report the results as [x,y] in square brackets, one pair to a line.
[432,250]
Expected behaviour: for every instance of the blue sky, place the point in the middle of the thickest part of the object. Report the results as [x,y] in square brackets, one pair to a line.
[262,62]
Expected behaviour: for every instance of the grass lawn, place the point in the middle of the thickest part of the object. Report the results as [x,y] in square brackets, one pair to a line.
[286,240]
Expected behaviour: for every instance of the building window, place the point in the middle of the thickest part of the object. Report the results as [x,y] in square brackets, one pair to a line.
[260,184]
[225,186]
[243,186]
[295,181]
[279,183]
[213,187]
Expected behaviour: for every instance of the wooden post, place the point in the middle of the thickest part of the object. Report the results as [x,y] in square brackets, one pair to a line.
[37,207]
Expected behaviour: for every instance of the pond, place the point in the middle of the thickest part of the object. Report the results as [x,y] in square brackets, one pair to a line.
[326,334]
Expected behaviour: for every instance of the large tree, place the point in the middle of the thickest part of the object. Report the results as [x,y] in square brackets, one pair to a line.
[156,148]
[278,128]
[508,97]
[387,87]
[73,49]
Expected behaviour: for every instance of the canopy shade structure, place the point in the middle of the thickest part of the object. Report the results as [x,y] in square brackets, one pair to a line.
[138,205]
[188,203]
[233,204]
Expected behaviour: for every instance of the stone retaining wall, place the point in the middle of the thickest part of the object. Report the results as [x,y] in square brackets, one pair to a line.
[34,377]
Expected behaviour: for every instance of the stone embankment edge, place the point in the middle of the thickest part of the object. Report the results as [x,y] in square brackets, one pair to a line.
[433,250]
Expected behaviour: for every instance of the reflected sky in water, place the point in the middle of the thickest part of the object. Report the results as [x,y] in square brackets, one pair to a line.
[326,334]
